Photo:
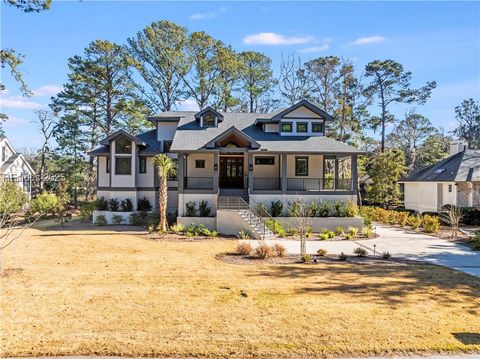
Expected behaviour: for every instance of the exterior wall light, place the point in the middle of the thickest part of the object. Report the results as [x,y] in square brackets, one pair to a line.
[215,167]
[250,167]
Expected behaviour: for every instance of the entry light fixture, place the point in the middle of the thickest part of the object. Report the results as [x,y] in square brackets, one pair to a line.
[250,167]
[215,167]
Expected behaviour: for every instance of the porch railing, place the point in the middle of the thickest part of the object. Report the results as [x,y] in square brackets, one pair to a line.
[266,183]
[198,182]
[319,184]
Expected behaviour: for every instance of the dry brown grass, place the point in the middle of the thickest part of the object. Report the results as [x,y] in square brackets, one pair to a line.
[100,292]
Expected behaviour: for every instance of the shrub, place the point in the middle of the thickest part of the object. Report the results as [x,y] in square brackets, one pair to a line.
[279,250]
[323,236]
[331,234]
[367,231]
[143,204]
[114,204]
[340,209]
[342,257]
[263,251]
[244,235]
[101,204]
[209,233]
[86,211]
[177,228]
[308,231]
[351,209]
[152,219]
[117,219]
[322,252]
[353,231]
[475,241]
[402,218]
[127,205]
[314,209]
[324,209]
[262,210]
[306,258]
[274,226]
[244,249]
[204,209]
[339,231]
[276,208]
[386,255]
[191,209]
[292,231]
[138,218]
[325,230]
[197,229]
[430,224]
[294,209]
[360,252]
[45,203]
[101,220]
[348,236]
[281,233]
[414,221]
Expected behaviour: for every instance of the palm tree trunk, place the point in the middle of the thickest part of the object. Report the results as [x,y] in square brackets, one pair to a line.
[162,201]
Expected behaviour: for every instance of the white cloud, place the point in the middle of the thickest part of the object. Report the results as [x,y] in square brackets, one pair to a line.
[272,38]
[312,49]
[47,90]
[367,40]
[19,102]
[188,105]
[208,15]
[13,122]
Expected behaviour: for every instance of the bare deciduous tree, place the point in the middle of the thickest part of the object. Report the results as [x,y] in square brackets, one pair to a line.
[453,217]
[48,124]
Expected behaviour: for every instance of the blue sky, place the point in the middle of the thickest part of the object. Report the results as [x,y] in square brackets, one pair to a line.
[435,40]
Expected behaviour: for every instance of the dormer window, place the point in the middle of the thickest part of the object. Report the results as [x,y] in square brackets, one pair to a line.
[208,120]
[123,146]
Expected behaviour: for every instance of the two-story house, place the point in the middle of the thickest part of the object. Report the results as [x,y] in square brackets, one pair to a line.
[286,155]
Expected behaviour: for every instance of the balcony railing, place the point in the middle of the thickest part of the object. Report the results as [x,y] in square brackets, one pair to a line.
[266,183]
[198,182]
[319,184]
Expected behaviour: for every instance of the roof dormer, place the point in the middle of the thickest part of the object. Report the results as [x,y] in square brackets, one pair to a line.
[209,117]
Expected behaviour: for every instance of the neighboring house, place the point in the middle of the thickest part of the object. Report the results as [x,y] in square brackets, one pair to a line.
[454,180]
[14,167]
[227,158]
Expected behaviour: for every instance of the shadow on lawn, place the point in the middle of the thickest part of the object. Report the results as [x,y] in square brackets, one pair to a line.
[383,284]
[468,338]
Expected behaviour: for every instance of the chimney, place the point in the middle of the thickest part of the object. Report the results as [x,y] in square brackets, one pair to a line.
[457,146]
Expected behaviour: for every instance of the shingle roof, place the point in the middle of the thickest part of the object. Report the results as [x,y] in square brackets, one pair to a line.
[461,167]
[148,145]
[9,162]
[190,136]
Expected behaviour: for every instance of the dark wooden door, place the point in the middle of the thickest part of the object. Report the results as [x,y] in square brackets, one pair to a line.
[231,172]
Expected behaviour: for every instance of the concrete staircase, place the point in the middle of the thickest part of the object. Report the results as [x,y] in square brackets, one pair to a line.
[238,201]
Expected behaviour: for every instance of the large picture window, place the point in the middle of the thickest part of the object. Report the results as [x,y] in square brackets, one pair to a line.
[287,127]
[301,166]
[123,146]
[123,166]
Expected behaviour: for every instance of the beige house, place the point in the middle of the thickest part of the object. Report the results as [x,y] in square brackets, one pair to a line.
[231,159]
[14,167]
[454,180]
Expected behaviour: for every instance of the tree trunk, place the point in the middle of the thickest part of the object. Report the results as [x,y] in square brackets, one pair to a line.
[162,201]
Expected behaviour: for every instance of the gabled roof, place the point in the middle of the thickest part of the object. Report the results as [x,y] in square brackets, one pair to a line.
[461,167]
[232,131]
[303,103]
[112,136]
[209,109]
[11,160]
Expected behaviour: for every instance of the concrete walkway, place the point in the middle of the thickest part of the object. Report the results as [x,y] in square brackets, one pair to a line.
[401,243]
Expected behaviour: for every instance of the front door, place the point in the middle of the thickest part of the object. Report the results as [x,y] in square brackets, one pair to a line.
[231,172]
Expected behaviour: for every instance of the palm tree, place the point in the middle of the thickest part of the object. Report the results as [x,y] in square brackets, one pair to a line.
[166,168]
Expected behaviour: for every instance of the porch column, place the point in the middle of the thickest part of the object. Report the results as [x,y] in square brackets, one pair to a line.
[216,171]
[354,170]
[335,182]
[250,172]
[180,174]
[284,173]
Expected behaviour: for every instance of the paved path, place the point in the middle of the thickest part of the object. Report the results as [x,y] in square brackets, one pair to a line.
[402,243]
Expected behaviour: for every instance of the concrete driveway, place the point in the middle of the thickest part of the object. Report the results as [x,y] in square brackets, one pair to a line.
[401,243]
